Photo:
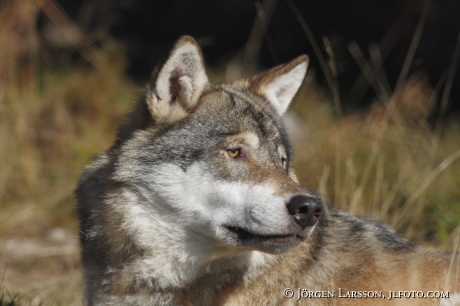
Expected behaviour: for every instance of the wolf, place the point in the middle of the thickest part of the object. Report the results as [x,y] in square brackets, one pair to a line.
[196,203]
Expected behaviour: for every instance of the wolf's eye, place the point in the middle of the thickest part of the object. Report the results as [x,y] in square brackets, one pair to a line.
[234,153]
[283,162]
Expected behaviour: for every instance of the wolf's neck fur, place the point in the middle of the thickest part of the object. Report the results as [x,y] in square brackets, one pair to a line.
[138,119]
[172,256]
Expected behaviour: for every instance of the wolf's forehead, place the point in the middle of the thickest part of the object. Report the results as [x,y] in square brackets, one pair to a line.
[243,111]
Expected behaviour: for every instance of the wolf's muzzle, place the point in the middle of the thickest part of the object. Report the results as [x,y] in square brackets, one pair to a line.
[305,210]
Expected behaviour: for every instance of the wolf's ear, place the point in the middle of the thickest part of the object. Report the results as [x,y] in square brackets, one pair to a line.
[177,84]
[280,84]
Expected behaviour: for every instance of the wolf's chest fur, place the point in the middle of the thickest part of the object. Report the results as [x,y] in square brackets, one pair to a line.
[196,203]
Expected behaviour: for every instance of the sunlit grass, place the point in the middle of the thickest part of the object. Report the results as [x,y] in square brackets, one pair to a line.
[408,178]
[56,113]
[50,126]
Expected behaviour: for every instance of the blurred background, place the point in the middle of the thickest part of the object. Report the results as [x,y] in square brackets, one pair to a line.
[375,126]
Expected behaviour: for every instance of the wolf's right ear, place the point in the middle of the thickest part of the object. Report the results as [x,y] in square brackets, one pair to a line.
[280,84]
[177,84]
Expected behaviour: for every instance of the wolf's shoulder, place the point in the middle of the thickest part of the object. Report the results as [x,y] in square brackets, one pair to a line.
[359,232]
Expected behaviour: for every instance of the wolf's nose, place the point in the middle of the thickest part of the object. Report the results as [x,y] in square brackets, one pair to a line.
[305,210]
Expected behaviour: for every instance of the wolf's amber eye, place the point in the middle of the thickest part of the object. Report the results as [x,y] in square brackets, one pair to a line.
[234,153]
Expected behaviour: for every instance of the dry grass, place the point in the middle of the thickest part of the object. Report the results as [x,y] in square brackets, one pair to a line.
[386,164]
[55,115]
[407,178]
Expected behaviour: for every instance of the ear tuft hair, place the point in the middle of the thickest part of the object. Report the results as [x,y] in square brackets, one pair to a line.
[178,83]
[280,84]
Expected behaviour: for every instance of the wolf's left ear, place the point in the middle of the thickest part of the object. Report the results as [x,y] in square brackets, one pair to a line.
[177,84]
[280,84]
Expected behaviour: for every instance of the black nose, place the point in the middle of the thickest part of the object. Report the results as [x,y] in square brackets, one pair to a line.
[305,210]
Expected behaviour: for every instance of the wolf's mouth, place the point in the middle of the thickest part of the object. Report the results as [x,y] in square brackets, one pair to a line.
[244,236]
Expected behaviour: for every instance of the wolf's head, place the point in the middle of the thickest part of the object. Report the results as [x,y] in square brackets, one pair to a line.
[212,162]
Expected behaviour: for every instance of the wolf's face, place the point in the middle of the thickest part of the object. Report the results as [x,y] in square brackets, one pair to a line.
[217,164]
